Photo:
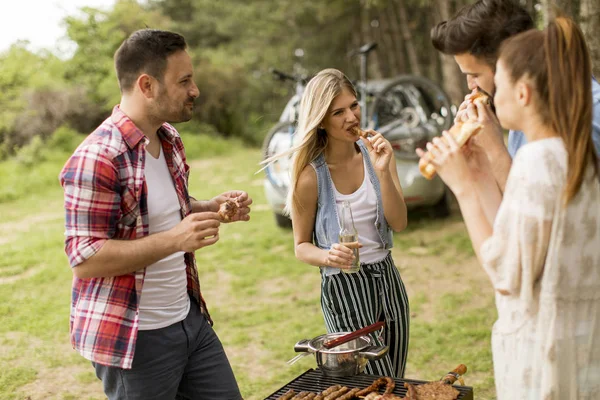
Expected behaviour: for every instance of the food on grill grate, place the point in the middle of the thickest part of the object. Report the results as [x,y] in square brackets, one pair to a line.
[327,392]
[352,394]
[439,390]
[411,392]
[336,394]
[287,395]
[228,209]
[436,390]
[388,382]
[304,395]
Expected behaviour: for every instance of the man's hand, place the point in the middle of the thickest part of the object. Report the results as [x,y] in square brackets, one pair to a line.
[491,136]
[195,231]
[244,201]
[462,109]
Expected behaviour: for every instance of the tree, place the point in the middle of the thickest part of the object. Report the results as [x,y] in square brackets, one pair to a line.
[590,25]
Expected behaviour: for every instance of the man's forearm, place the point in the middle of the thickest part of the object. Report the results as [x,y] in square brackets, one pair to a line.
[204,205]
[120,257]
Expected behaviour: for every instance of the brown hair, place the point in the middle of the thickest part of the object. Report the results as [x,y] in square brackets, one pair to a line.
[145,52]
[558,62]
[480,28]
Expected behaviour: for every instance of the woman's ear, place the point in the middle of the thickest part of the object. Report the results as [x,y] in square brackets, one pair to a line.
[524,93]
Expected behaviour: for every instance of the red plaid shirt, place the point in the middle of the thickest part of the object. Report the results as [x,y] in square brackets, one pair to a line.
[106,198]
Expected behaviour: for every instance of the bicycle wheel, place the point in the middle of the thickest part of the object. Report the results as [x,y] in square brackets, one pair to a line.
[411,101]
[279,139]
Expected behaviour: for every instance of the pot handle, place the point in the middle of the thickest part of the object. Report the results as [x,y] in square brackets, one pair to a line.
[302,346]
[374,352]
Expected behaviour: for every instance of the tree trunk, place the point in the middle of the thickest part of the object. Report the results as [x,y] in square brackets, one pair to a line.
[453,81]
[386,46]
[435,73]
[551,7]
[408,38]
[397,34]
[590,25]
[374,61]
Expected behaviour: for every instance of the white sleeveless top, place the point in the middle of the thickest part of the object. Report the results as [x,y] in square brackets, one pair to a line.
[164,300]
[364,210]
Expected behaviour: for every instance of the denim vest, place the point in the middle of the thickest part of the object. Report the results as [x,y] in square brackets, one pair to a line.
[327,225]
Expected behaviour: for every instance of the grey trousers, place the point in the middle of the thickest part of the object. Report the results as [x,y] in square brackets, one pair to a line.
[182,361]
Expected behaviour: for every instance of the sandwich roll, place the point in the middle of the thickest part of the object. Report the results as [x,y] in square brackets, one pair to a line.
[460,131]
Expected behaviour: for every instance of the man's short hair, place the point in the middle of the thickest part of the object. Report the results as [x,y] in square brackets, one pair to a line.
[145,52]
[479,29]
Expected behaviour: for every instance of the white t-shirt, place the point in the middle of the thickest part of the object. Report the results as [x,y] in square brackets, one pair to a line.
[164,300]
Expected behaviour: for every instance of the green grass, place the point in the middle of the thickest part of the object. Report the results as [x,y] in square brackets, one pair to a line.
[262,299]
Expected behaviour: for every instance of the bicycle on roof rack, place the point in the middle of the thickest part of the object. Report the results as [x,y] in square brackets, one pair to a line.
[408,110]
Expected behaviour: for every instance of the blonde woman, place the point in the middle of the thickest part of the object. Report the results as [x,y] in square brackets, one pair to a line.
[331,165]
[542,251]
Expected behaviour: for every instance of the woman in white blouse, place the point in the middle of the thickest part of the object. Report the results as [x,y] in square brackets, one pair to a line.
[541,245]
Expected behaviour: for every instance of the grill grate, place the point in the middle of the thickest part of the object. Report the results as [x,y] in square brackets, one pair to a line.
[314,381]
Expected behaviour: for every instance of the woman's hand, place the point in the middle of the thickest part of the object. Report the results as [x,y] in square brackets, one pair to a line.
[341,255]
[449,162]
[380,150]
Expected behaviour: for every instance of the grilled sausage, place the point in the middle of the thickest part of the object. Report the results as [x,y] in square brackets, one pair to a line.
[411,393]
[350,395]
[330,390]
[287,395]
[373,388]
[337,394]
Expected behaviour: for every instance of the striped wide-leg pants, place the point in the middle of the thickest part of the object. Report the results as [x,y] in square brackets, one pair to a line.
[375,293]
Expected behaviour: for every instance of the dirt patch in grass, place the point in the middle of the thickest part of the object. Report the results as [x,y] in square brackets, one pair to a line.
[64,383]
[55,379]
[6,280]
[9,229]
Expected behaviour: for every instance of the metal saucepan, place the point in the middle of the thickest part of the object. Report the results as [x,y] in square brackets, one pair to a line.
[344,360]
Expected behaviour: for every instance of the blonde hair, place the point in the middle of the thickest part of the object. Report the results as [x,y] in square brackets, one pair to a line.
[318,95]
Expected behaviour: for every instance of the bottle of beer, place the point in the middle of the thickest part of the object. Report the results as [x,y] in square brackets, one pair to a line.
[349,235]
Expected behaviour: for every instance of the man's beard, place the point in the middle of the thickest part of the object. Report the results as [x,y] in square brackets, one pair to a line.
[171,114]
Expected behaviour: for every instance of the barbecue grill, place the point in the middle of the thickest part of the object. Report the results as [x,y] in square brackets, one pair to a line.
[314,381]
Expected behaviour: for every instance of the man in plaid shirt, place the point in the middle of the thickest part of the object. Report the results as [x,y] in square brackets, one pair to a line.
[131,231]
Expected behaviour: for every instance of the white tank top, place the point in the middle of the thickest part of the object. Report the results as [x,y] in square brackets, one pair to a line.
[364,210]
[164,300]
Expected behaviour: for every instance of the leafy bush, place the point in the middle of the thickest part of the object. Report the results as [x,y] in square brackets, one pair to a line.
[64,140]
[202,141]
[32,153]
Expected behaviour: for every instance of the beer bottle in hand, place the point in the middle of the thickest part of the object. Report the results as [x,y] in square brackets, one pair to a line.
[349,235]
